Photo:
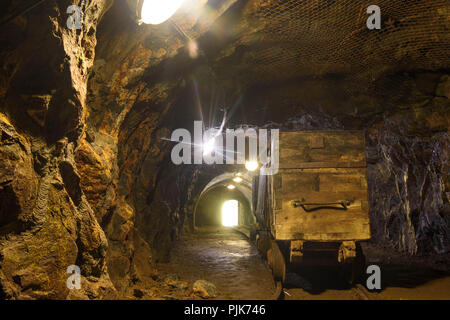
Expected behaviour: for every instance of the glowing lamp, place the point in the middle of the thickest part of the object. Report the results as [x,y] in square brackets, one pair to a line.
[158,11]
[251,165]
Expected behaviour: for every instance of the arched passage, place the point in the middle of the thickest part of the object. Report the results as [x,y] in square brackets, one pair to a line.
[208,207]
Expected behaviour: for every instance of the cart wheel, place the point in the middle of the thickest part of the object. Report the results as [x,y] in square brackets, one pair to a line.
[359,265]
[278,263]
[270,258]
[253,233]
[353,272]
[263,243]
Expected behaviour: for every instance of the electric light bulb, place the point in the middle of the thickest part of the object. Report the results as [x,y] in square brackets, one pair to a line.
[158,11]
[237,179]
[231,187]
[251,165]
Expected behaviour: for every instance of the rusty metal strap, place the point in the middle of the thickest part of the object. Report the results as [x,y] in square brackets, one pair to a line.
[320,165]
[340,205]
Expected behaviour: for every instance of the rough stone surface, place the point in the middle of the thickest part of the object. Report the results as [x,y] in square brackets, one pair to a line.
[46,221]
[205,289]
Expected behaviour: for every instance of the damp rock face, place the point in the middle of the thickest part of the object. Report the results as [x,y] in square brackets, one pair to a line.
[205,289]
[408,188]
[46,221]
[82,155]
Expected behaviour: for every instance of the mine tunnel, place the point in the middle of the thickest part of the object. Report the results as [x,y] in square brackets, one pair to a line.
[225,202]
[118,178]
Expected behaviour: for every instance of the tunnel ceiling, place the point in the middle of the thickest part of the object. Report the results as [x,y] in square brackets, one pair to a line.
[224,179]
[228,177]
[263,42]
[315,55]
[278,40]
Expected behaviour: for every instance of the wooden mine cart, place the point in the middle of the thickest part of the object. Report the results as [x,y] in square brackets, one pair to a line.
[315,209]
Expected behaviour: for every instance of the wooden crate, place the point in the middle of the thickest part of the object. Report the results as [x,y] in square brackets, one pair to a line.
[323,169]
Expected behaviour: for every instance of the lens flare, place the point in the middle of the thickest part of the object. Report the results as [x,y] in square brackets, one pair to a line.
[158,11]
[209,146]
[193,49]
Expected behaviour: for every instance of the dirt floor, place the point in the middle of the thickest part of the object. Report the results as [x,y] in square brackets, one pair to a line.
[227,259]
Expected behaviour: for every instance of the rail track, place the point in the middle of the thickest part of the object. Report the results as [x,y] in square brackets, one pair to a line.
[359,290]
[280,293]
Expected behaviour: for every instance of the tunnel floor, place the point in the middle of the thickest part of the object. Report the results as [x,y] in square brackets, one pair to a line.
[224,257]
[227,259]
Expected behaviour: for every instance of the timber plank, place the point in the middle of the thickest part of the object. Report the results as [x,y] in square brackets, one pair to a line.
[335,149]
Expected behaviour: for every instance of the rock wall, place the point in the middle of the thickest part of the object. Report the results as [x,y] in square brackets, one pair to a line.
[82,155]
[408,175]
[407,187]
[47,223]
[127,175]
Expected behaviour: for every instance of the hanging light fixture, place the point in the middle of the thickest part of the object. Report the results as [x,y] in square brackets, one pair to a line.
[251,165]
[237,179]
[155,11]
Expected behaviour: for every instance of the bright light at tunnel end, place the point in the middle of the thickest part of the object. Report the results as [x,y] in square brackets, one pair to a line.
[159,11]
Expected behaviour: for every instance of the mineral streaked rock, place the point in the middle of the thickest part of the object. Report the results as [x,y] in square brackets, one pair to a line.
[205,289]
[54,228]
[46,222]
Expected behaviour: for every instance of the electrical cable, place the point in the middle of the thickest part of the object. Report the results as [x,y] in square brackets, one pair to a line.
[180,31]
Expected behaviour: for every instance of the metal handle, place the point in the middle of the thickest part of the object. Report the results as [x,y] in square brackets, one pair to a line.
[323,205]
